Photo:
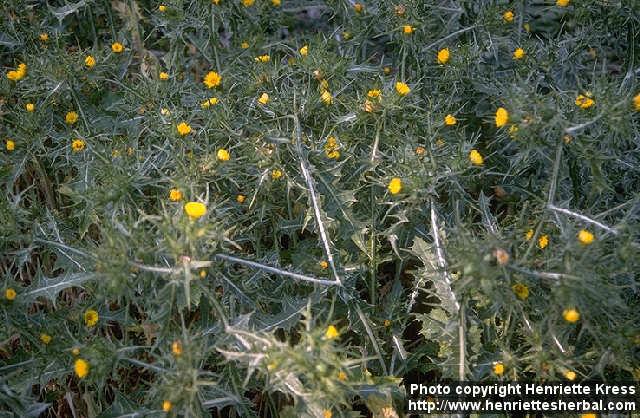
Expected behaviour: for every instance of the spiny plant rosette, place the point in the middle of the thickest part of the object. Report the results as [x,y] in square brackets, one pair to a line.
[291,208]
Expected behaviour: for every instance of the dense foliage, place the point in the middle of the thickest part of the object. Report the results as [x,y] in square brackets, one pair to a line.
[266,208]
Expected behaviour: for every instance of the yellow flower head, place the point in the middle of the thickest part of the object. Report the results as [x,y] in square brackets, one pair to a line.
[247,3]
[407,29]
[276,3]
[18,74]
[508,16]
[402,88]
[475,157]
[77,145]
[327,413]
[323,264]
[91,318]
[81,367]
[165,112]
[331,333]
[395,185]
[175,195]
[216,2]
[264,99]
[263,58]
[176,348]
[163,76]
[387,70]
[240,198]
[223,155]
[358,7]
[571,315]
[584,101]
[518,54]
[212,79]
[183,129]
[420,150]
[374,94]
[195,210]
[450,120]
[10,294]
[244,45]
[543,241]
[570,375]
[71,118]
[502,117]
[45,338]
[585,237]
[304,51]
[528,235]
[11,145]
[212,101]
[75,351]
[342,376]
[162,8]
[521,291]
[276,174]
[326,97]
[562,3]
[498,369]
[89,61]
[166,405]
[44,37]
[443,56]
[117,47]
[636,102]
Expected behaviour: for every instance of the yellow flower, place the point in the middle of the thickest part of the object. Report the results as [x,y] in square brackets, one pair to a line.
[324,85]
[543,241]
[571,315]
[420,150]
[81,368]
[77,145]
[176,348]
[223,155]
[402,88]
[165,112]
[240,198]
[562,3]
[71,118]
[247,3]
[498,369]
[117,47]
[475,157]
[443,56]
[175,195]
[91,318]
[327,413]
[304,51]
[358,7]
[387,323]
[374,94]
[529,235]
[591,415]
[44,37]
[45,338]
[10,294]
[331,333]
[264,99]
[30,107]
[162,8]
[75,351]
[209,102]
[276,174]
[636,102]
[216,2]
[508,16]
[10,145]
[323,264]
[212,79]
[570,375]
[450,120]
[342,376]
[244,45]
[326,97]
[183,129]
[263,58]
[195,210]
[407,29]
[584,101]
[166,405]
[387,70]
[163,75]
[502,117]
[19,74]
[89,61]
[275,3]
[518,54]
[585,237]
[395,185]
[521,291]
